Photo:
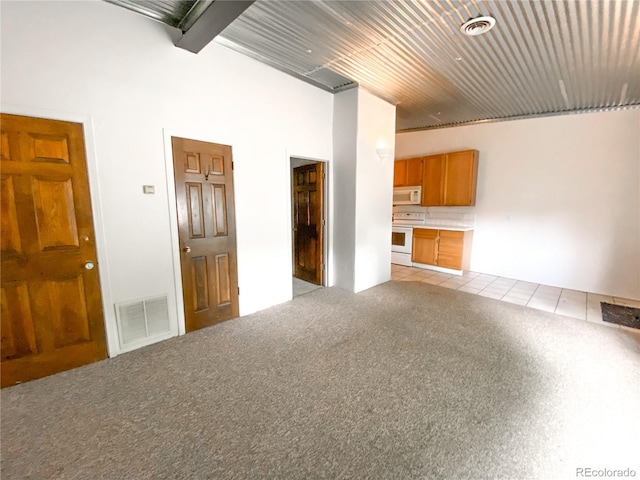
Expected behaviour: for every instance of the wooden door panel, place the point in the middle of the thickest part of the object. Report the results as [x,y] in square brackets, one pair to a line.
[194,204]
[217,165]
[192,162]
[223,279]
[10,239]
[52,316]
[206,223]
[55,213]
[200,283]
[18,334]
[312,212]
[5,150]
[48,148]
[61,303]
[219,196]
[307,222]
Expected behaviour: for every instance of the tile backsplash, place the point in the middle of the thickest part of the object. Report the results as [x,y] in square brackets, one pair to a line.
[442,216]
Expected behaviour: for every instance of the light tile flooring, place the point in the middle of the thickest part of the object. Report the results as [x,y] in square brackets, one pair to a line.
[572,303]
[300,287]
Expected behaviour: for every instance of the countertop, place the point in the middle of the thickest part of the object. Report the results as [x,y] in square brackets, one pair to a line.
[458,228]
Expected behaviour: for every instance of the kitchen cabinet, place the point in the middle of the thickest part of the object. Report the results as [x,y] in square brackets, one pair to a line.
[408,172]
[432,176]
[450,179]
[424,248]
[442,248]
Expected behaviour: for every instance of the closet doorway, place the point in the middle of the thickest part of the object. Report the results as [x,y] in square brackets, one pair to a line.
[308,179]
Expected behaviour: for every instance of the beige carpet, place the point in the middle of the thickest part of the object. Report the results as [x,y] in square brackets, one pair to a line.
[402,381]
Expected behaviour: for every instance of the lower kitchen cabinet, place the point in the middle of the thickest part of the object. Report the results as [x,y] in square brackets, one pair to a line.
[442,248]
[425,246]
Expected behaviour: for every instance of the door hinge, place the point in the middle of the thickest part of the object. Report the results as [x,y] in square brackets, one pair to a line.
[238,290]
[322,266]
[233,167]
[324,175]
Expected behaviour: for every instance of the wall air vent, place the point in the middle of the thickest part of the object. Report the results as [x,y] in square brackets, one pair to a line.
[478,26]
[140,320]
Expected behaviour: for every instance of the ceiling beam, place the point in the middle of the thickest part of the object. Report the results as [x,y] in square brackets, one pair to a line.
[217,16]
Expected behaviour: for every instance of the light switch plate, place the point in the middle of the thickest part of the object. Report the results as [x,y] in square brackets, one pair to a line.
[149,189]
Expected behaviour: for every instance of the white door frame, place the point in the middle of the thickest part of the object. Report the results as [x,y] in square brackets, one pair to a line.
[325,213]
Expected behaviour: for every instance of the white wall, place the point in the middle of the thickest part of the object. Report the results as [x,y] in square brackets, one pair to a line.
[374,187]
[364,194]
[345,152]
[558,198]
[121,72]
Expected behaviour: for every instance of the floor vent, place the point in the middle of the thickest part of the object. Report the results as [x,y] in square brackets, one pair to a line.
[139,320]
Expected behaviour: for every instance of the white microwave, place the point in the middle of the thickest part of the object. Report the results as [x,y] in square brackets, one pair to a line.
[407,195]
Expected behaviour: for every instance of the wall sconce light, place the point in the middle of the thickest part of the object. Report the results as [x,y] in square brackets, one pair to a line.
[384,153]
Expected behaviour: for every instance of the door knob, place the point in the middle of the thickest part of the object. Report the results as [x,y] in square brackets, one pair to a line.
[186,249]
[89,265]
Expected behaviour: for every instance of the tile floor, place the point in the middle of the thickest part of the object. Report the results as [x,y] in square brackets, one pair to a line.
[300,287]
[572,303]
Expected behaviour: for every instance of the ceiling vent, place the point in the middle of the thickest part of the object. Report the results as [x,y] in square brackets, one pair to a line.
[478,26]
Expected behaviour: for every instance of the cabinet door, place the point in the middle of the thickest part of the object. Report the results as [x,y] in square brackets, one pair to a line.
[450,249]
[414,172]
[424,246]
[432,175]
[400,173]
[460,178]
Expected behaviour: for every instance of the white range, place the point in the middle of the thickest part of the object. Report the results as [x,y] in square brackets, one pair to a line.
[402,235]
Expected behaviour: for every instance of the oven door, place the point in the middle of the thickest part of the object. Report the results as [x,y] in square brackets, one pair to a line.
[401,238]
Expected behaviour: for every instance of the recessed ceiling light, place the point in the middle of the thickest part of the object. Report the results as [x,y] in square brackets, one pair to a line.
[309,51]
[478,26]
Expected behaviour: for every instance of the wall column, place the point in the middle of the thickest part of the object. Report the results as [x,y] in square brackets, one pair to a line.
[363,145]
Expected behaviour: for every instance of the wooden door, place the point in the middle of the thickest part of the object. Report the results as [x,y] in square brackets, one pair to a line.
[432,176]
[425,246]
[460,178]
[207,229]
[308,222]
[52,317]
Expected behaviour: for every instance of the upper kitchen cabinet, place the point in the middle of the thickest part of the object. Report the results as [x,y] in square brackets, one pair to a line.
[449,179]
[432,184]
[408,172]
